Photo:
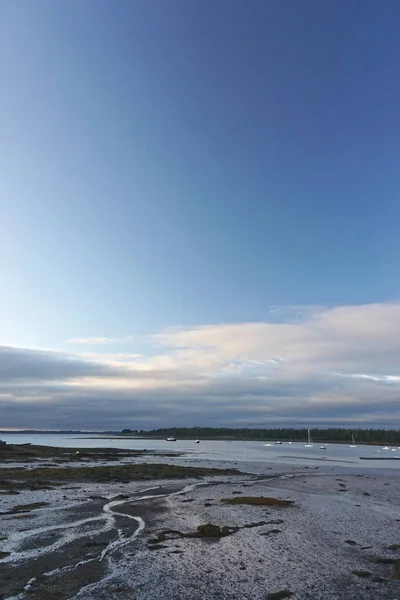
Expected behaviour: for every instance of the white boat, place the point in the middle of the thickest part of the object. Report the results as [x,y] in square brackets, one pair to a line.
[197,441]
[309,443]
[393,449]
[323,447]
[353,444]
[171,439]
[278,442]
[268,444]
[385,448]
[290,442]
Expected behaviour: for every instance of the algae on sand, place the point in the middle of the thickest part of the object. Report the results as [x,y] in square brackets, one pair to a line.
[280,595]
[42,477]
[396,572]
[361,573]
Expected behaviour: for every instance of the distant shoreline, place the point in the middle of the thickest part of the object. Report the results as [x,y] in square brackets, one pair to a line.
[228,438]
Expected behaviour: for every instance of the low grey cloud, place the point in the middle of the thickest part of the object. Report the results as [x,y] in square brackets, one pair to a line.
[23,364]
[336,365]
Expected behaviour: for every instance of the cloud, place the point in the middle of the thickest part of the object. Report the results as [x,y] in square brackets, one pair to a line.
[23,364]
[128,339]
[336,365]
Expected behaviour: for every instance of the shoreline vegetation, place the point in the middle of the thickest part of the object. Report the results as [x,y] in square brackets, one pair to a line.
[330,435]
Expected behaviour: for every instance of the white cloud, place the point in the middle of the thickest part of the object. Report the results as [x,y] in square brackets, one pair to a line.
[328,366]
[128,339]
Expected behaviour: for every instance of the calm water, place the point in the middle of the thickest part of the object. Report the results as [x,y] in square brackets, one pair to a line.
[296,453]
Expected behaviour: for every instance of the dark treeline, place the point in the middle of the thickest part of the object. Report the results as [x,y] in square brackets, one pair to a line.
[333,434]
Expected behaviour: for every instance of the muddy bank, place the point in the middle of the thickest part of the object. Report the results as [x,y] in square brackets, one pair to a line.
[33,453]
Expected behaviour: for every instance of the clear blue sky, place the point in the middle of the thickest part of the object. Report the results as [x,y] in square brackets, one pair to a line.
[180,163]
[186,162]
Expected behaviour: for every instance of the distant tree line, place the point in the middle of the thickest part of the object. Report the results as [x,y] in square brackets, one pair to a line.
[333,434]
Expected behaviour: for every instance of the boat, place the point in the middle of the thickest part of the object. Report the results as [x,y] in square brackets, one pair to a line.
[268,444]
[171,439]
[385,448]
[353,444]
[197,441]
[309,443]
[393,449]
[323,447]
[278,442]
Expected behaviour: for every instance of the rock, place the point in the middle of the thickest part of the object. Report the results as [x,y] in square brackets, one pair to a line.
[257,501]
[209,530]
[271,532]
[381,561]
[351,542]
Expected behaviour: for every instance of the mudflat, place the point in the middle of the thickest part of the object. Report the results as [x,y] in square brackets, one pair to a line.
[141,531]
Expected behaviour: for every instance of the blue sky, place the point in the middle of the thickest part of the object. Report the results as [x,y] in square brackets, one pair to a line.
[192,164]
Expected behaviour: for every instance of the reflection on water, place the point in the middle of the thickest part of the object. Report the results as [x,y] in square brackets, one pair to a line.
[234,451]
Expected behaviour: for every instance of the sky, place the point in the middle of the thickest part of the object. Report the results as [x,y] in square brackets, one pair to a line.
[199,213]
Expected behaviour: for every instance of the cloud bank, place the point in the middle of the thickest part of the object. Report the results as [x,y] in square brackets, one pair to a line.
[328,366]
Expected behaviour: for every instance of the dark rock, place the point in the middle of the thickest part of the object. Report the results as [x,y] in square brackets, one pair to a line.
[258,524]
[157,547]
[209,530]
[275,522]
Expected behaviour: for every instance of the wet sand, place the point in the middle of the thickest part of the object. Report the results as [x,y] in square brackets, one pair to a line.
[138,539]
